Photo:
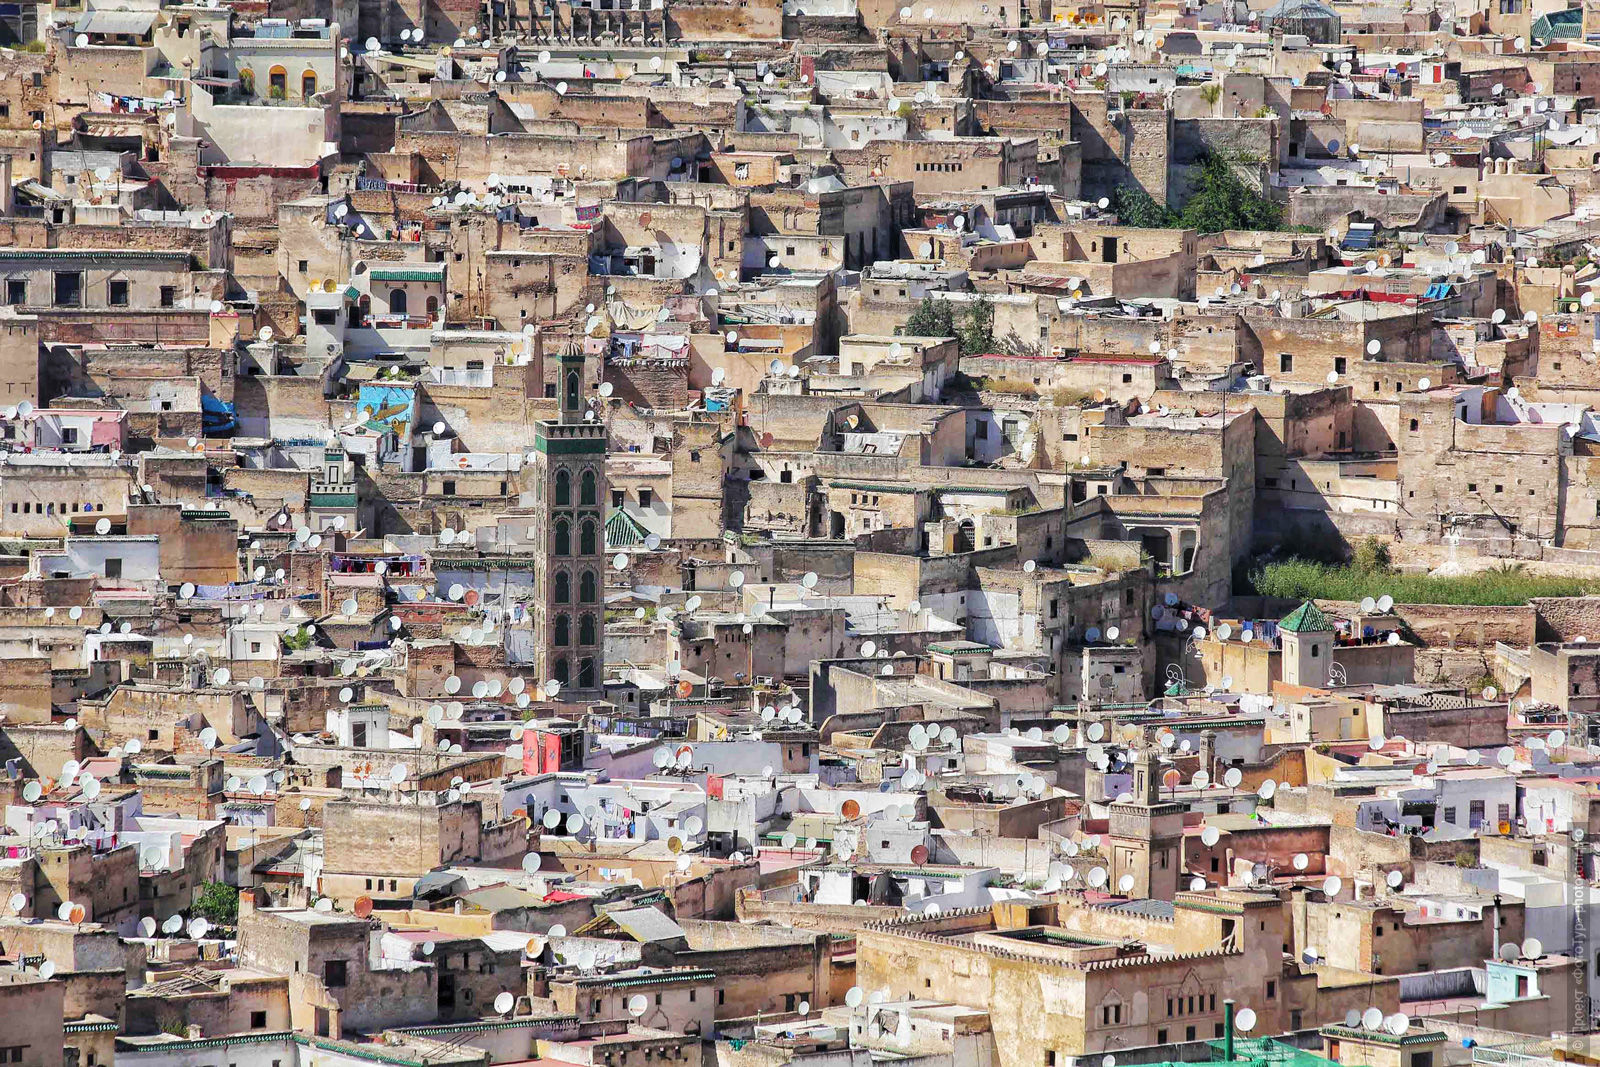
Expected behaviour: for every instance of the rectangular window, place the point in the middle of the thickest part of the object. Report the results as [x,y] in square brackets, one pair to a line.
[169,296]
[16,291]
[113,568]
[1285,362]
[117,293]
[69,288]
[258,1020]
[646,498]
[333,974]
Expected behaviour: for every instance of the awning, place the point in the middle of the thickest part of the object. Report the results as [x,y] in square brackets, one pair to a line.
[135,22]
[437,885]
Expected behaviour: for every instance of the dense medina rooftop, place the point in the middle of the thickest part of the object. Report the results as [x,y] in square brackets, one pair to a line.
[590,534]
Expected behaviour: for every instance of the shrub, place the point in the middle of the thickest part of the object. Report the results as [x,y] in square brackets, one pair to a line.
[1372,556]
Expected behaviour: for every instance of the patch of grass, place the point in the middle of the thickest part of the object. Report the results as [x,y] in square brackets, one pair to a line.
[1300,579]
[1003,385]
[1064,396]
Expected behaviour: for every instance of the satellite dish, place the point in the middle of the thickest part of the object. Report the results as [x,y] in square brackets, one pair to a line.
[1332,884]
[503,1003]
[1245,1020]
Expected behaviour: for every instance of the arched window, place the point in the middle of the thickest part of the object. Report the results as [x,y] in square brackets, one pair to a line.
[563,488]
[586,542]
[563,635]
[563,537]
[586,489]
[563,587]
[572,391]
[586,587]
[277,82]
[397,301]
[562,670]
[308,84]
[586,673]
[586,635]
[433,307]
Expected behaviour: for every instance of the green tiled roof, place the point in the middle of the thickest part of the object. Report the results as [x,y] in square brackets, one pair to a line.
[1558,25]
[1307,618]
[417,273]
[623,530]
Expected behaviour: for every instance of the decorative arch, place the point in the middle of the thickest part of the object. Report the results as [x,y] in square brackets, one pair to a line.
[563,630]
[562,670]
[563,488]
[586,673]
[563,537]
[587,546]
[586,492]
[563,587]
[588,588]
[586,629]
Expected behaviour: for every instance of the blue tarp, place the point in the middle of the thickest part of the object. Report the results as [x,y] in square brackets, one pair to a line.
[217,416]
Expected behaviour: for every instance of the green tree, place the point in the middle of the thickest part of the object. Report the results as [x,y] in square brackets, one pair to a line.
[218,903]
[1221,201]
[1211,94]
[976,332]
[1135,207]
[932,318]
